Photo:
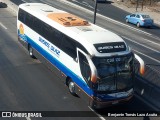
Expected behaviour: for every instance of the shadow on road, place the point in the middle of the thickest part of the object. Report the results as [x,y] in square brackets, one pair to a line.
[155,27]
[3,5]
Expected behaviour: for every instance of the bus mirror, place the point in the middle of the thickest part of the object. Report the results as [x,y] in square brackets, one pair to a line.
[93,76]
[142,67]
[75,59]
[93,71]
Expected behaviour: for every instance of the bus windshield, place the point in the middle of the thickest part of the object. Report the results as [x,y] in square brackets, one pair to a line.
[114,73]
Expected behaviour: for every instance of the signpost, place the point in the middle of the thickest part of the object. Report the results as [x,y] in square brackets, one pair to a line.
[95,11]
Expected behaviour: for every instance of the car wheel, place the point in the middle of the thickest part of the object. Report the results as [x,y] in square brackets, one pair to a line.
[127,20]
[71,87]
[138,24]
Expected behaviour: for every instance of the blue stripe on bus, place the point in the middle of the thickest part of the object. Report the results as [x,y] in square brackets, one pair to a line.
[60,66]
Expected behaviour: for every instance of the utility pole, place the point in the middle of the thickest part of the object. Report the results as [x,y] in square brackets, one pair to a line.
[95,11]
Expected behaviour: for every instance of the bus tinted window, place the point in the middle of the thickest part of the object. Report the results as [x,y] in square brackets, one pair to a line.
[37,26]
[46,31]
[29,20]
[84,67]
[69,46]
[56,38]
[21,15]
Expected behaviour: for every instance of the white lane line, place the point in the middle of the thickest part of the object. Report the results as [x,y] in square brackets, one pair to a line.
[104,17]
[46,2]
[151,42]
[3,25]
[24,1]
[147,56]
[100,116]
[141,44]
[28,118]
[86,4]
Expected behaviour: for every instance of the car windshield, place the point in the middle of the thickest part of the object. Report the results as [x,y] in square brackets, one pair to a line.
[114,73]
[145,16]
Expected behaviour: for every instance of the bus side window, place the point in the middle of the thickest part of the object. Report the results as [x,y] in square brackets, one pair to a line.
[56,38]
[69,46]
[84,67]
[47,31]
[37,24]
[29,20]
[21,15]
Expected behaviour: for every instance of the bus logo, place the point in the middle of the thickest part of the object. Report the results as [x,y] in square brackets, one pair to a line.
[21,29]
[49,46]
[21,33]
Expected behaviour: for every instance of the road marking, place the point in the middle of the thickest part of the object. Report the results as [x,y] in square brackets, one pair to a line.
[151,42]
[3,25]
[141,44]
[46,2]
[100,116]
[147,56]
[85,4]
[24,1]
[28,118]
[155,37]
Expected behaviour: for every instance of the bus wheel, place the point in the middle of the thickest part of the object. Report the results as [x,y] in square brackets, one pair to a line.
[30,49]
[71,87]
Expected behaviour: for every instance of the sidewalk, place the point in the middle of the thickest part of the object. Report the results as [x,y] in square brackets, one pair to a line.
[154,12]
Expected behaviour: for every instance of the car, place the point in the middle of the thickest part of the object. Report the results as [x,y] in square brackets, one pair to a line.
[139,19]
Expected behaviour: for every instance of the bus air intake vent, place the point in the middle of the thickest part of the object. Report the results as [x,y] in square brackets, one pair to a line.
[67,19]
[84,29]
[47,10]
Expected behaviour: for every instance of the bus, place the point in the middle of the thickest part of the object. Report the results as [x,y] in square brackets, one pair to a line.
[94,63]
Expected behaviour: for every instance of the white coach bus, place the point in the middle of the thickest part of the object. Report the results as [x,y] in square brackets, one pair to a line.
[94,63]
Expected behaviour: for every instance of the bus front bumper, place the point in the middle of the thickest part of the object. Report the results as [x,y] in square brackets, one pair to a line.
[103,104]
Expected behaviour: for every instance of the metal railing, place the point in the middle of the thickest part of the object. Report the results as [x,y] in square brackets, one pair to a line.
[151,75]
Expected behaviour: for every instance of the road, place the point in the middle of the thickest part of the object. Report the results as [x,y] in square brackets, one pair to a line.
[107,9]
[27,85]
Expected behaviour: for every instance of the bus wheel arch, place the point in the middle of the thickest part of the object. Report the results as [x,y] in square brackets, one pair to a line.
[30,50]
[71,86]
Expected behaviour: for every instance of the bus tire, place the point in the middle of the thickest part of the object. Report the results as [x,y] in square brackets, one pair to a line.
[71,87]
[30,50]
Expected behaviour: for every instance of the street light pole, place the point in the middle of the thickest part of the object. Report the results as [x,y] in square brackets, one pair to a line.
[95,11]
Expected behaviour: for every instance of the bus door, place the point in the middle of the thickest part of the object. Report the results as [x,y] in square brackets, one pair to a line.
[88,72]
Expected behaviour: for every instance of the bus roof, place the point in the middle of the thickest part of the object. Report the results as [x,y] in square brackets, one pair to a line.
[68,23]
